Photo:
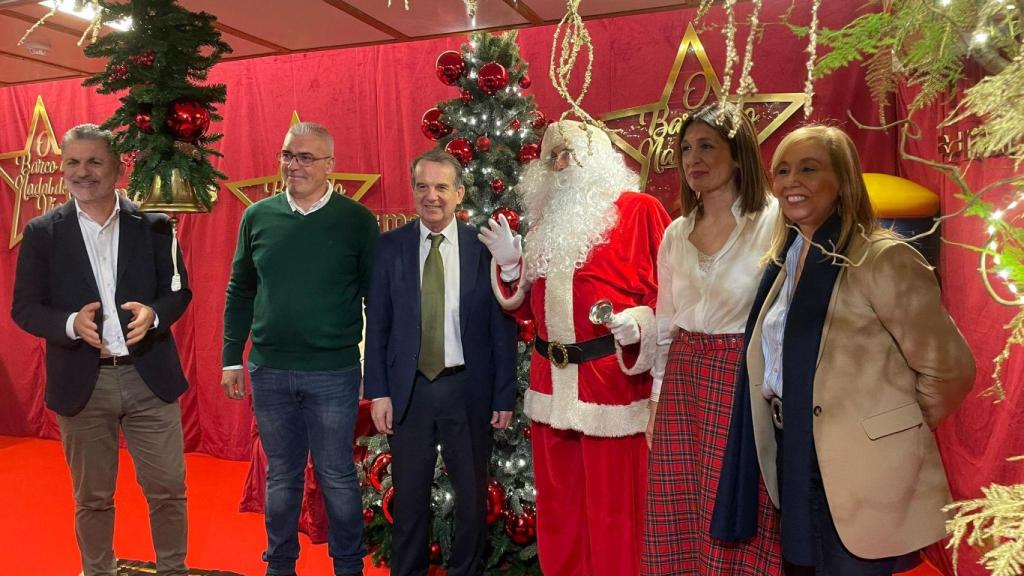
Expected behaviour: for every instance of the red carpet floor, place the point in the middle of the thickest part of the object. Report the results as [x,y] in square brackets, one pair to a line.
[37,514]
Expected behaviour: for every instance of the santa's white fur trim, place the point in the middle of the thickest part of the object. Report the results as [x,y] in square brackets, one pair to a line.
[601,420]
[514,301]
[644,317]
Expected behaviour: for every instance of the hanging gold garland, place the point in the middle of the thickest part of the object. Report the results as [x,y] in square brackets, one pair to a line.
[564,54]
[812,53]
[92,29]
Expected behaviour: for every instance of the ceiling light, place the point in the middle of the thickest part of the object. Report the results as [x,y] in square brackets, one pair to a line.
[85,13]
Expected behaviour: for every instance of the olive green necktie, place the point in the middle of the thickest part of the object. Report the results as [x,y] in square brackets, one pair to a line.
[432,311]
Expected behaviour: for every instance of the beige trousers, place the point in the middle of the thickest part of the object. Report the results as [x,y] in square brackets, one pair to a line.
[152,429]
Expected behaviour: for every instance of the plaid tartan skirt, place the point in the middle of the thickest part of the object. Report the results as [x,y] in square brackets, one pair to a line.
[690,435]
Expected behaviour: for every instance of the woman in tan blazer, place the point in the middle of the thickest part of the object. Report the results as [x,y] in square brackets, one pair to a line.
[851,362]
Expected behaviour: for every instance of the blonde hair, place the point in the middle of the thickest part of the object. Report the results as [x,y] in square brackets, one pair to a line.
[853,203]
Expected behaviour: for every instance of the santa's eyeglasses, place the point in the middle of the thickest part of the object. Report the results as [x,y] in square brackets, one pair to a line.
[565,155]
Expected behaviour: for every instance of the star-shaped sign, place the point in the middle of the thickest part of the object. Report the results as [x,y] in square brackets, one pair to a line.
[255,189]
[649,131]
[33,173]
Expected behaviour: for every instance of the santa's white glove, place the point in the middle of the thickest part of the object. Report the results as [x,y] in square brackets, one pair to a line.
[625,328]
[506,248]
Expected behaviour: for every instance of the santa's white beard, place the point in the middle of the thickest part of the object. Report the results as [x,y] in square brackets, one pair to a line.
[570,212]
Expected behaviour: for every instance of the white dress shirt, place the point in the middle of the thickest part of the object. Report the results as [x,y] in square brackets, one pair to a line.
[714,298]
[774,327]
[101,243]
[449,250]
[316,205]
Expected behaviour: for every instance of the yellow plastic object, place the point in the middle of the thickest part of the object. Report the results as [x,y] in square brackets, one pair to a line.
[895,197]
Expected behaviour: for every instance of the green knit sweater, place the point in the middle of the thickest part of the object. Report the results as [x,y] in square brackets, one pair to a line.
[298,284]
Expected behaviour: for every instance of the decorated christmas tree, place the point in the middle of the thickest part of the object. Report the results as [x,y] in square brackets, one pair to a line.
[163,62]
[493,130]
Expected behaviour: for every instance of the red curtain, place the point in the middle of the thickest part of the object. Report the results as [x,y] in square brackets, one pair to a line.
[372,99]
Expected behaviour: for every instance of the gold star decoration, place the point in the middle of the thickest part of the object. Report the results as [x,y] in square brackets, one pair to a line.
[33,173]
[255,189]
[648,132]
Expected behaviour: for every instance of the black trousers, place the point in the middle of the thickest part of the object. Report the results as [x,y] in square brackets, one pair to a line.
[831,558]
[440,412]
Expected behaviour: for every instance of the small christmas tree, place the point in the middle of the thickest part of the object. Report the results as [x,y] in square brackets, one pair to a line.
[163,61]
[493,129]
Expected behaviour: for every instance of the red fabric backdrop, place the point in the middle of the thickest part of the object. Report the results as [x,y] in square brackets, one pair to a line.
[372,99]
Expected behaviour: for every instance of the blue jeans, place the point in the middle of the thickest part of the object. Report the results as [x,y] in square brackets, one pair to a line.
[301,413]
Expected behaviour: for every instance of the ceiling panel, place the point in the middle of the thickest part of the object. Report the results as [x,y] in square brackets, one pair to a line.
[17,70]
[436,17]
[555,9]
[295,24]
[63,51]
[242,48]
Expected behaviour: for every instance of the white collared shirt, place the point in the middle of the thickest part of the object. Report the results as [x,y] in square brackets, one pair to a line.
[101,243]
[773,330]
[716,299]
[316,205]
[449,250]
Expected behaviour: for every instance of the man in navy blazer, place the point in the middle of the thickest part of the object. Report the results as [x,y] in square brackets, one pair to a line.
[425,393]
[95,280]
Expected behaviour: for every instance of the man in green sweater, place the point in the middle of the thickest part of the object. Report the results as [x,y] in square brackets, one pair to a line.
[298,283]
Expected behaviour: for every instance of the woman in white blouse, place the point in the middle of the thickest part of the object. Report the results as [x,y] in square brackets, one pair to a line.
[708,270]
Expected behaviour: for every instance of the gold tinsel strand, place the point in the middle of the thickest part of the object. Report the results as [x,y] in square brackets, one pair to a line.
[992,524]
[812,52]
[94,25]
[574,38]
[746,86]
[1016,327]
[730,47]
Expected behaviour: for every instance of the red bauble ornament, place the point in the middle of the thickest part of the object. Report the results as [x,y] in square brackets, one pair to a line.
[528,153]
[525,81]
[497,185]
[435,553]
[495,501]
[527,330]
[491,78]
[511,215]
[466,96]
[432,126]
[450,67]
[461,149]
[187,120]
[522,528]
[540,121]
[145,59]
[462,215]
[379,469]
[387,504]
[527,432]
[368,515]
[144,121]
[119,72]
[515,124]
[483,143]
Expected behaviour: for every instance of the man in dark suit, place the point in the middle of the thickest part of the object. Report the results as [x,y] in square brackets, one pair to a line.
[94,279]
[440,366]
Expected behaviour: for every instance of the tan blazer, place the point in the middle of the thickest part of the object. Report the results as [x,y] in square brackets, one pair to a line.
[891,362]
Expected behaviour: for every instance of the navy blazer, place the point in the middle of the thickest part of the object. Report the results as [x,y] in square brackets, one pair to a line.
[55,279]
[393,323]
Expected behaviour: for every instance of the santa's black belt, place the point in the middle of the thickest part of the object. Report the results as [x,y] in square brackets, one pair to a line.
[561,355]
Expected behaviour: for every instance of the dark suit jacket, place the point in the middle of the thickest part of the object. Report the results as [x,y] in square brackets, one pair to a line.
[55,279]
[393,323]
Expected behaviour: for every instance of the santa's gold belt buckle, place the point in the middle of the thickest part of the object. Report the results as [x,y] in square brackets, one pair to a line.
[558,355]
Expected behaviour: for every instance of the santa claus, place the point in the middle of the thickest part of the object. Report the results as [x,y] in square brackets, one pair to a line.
[591,239]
